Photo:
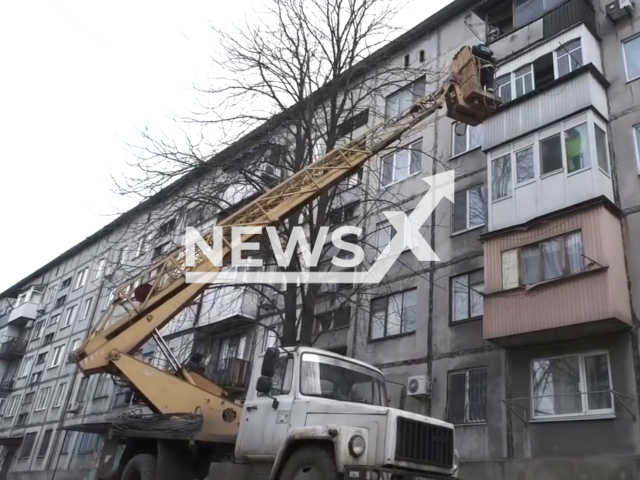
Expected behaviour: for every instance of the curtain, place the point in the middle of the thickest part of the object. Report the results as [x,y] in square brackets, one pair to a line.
[573,246]
[552,258]
[460,298]
[531,265]
[597,371]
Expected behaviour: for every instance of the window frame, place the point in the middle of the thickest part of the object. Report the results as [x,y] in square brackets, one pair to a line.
[410,148]
[468,146]
[70,316]
[386,320]
[30,441]
[636,141]
[410,86]
[42,399]
[81,278]
[45,443]
[468,227]
[452,300]
[624,56]
[561,52]
[89,446]
[466,371]
[582,385]
[86,307]
[13,405]
[102,387]
[100,267]
[56,357]
[58,396]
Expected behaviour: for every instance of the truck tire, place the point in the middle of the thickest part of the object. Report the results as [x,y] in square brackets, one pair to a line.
[140,467]
[310,463]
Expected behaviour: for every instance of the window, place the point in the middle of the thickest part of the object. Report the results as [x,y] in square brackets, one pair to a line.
[569,57]
[51,293]
[74,346]
[470,139]
[27,445]
[14,403]
[43,398]
[469,209]
[271,336]
[631,49]
[57,356]
[467,299]
[3,405]
[66,443]
[54,319]
[341,215]
[70,316]
[109,299]
[394,315]
[467,396]
[547,260]
[421,55]
[550,154]
[501,177]
[572,386]
[524,165]
[160,250]
[525,11]
[503,88]
[102,387]
[22,419]
[60,301]
[384,234]
[82,390]
[602,149]
[58,398]
[66,283]
[28,398]
[44,443]
[352,123]
[88,443]
[26,366]
[406,61]
[524,80]
[81,278]
[37,331]
[99,268]
[332,320]
[86,308]
[576,141]
[402,163]
[35,378]
[167,227]
[48,339]
[142,245]
[404,99]
[41,358]
[282,377]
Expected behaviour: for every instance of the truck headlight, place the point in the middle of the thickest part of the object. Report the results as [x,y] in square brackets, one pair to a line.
[357,445]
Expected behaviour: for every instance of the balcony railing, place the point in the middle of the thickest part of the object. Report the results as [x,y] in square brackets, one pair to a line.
[12,348]
[7,385]
[234,373]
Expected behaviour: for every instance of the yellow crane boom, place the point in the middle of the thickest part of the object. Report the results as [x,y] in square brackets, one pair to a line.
[165,292]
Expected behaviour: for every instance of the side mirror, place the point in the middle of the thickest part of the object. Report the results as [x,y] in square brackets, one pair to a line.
[264,385]
[269,362]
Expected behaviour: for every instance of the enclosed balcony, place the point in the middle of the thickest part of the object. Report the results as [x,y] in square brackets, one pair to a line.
[12,348]
[232,373]
[23,313]
[512,25]
[7,385]
[558,278]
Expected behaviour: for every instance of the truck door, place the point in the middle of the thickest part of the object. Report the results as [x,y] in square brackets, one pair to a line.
[264,428]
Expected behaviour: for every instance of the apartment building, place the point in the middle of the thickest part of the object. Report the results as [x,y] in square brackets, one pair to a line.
[523,334]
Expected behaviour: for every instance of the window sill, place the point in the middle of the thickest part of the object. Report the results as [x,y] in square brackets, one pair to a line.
[393,337]
[502,199]
[573,418]
[389,185]
[53,366]
[462,232]
[632,80]
[453,157]
[453,323]
[474,424]
[525,183]
[607,174]
[571,174]
[551,174]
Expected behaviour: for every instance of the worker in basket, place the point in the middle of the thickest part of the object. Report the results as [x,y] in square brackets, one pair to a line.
[487,64]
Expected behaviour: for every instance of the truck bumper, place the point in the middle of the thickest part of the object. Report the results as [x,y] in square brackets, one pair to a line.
[360,472]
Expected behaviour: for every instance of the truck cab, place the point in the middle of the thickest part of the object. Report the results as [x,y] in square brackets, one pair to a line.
[328,408]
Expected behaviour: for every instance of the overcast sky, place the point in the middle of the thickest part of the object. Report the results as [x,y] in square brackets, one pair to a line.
[77,77]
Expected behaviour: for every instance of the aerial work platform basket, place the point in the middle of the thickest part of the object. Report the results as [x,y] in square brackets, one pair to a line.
[467,100]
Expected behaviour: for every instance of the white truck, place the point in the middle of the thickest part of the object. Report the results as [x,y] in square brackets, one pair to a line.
[316,415]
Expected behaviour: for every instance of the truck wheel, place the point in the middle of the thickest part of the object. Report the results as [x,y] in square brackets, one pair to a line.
[310,463]
[140,467]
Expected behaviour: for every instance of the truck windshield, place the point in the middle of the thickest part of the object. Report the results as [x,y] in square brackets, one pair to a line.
[328,377]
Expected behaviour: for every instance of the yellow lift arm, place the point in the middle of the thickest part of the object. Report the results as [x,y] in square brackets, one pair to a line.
[165,292]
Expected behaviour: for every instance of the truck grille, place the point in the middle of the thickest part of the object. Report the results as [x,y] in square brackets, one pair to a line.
[424,443]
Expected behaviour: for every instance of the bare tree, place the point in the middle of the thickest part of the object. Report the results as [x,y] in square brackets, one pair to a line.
[289,87]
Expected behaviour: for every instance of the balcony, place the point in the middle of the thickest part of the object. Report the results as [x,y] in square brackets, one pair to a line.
[510,30]
[12,348]
[234,374]
[587,296]
[7,385]
[22,314]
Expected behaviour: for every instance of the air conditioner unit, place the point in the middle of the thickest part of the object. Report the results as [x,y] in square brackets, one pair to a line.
[619,9]
[75,407]
[419,386]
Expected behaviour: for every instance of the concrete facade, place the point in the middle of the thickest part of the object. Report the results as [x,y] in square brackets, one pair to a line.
[510,425]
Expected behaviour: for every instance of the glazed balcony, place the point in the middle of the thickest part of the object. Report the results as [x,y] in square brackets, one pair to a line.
[12,348]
